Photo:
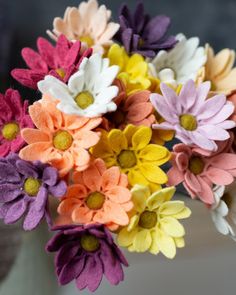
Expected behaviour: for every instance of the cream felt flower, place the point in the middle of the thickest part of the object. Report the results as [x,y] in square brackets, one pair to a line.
[89,92]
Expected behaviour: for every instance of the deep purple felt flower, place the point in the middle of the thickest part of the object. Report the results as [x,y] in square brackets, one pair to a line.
[61,61]
[84,254]
[25,188]
[144,35]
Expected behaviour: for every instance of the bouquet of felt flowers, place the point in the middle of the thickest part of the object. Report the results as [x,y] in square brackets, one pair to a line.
[112,95]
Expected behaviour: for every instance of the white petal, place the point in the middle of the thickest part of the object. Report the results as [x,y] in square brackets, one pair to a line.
[107,95]
[76,83]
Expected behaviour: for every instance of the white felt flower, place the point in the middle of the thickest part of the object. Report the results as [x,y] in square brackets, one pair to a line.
[89,91]
[179,64]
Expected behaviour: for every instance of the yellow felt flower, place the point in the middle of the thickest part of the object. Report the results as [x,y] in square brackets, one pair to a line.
[133,69]
[154,224]
[132,151]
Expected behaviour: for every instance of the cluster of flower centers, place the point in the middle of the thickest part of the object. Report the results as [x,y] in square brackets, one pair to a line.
[188,122]
[95,200]
[196,165]
[84,99]
[10,131]
[62,140]
[148,219]
[89,243]
[127,159]
[32,186]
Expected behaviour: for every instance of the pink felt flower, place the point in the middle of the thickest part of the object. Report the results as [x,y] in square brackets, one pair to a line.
[199,169]
[61,61]
[195,119]
[13,117]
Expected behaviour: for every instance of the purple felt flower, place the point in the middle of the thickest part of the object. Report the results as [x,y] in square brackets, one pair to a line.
[144,35]
[25,188]
[61,61]
[84,254]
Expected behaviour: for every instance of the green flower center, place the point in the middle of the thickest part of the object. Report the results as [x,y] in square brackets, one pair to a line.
[84,99]
[89,243]
[148,219]
[95,201]
[196,165]
[61,72]
[87,39]
[188,122]
[32,186]
[127,159]
[62,140]
[10,131]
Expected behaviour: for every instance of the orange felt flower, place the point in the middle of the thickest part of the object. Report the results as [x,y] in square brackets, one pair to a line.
[61,140]
[98,195]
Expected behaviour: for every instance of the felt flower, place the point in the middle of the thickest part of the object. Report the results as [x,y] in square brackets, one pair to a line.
[89,92]
[195,119]
[13,117]
[180,64]
[60,61]
[25,188]
[85,254]
[199,170]
[98,195]
[60,140]
[133,68]
[133,153]
[88,23]
[154,225]
[142,34]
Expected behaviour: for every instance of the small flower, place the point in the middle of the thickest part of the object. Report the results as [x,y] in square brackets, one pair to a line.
[195,119]
[132,152]
[89,92]
[141,34]
[183,62]
[88,23]
[14,116]
[85,254]
[154,224]
[99,195]
[25,188]
[60,140]
[61,61]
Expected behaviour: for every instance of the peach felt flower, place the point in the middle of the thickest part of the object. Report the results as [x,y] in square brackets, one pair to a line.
[99,195]
[60,140]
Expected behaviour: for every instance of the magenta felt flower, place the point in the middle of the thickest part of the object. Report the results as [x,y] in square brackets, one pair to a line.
[13,117]
[61,61]
[198,170]
[196,119]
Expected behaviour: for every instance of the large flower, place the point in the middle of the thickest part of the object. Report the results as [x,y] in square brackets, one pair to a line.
[132,152]
[87,23]
[89,92]
[85,254]
[60,61]
[142,34]
[195,119]
[60,140]
[154,225]
[13,117]
[25,188]
[180,64]
[98,195]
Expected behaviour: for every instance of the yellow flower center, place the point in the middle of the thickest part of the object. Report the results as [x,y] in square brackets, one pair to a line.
[61,72]
[10,131]
[87,39]
[228,199]
[127,159]
[188,122]
[89,243]
[148,219]
[32,186]
[84,99]
[62,140]
[196,165]
[95,201]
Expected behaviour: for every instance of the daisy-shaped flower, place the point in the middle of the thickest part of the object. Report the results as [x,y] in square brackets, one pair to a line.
[195,119]
[198,170]
[180,64]
[60,140]
[60,61]
[142,34]
[154,224]
[133,153]
[89,91]
[88,23]
[98,195]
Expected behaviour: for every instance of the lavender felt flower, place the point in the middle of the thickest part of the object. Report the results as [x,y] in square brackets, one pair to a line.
[25,188]
[144,35]
[84,254]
